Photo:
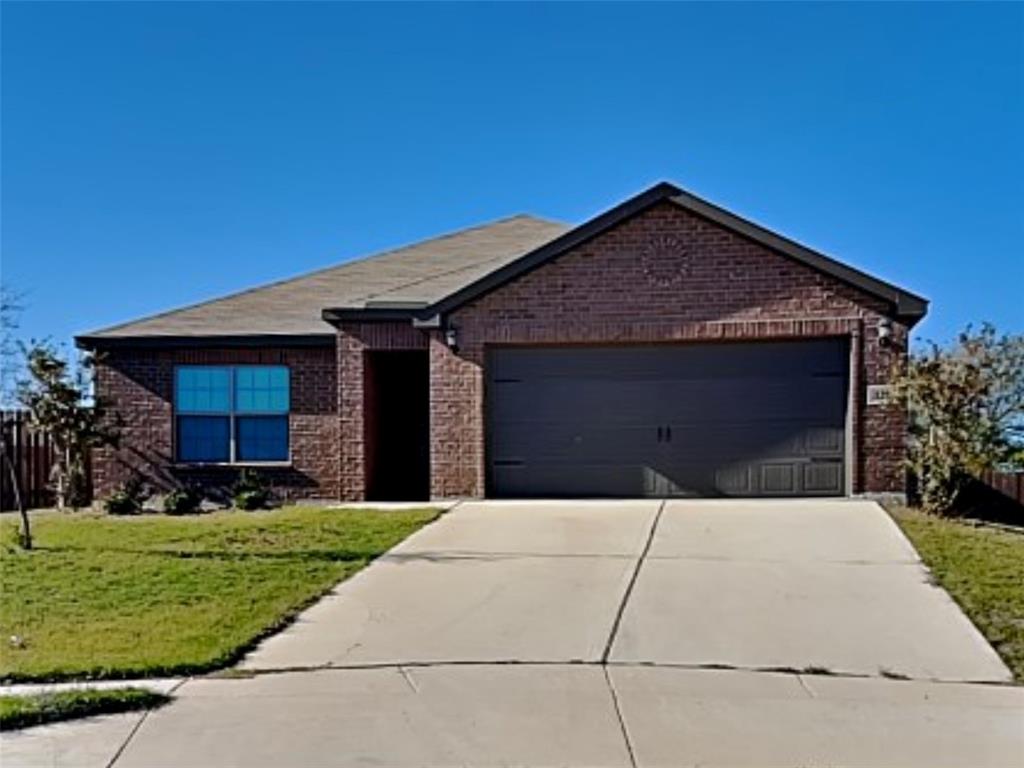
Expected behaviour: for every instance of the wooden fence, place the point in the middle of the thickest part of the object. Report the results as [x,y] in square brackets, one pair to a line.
[1010,484]
[32,454]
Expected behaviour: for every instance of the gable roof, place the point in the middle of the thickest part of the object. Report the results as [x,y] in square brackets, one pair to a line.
[426,280]
[905,305]
[409,277]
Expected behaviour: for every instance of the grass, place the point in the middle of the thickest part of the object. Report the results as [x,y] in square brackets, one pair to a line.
[26,711]
[983,569]
[120,597]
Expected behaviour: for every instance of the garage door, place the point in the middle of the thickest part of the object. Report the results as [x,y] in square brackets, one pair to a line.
[762,419]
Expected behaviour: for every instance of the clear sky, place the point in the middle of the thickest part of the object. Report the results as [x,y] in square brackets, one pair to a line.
[159,154]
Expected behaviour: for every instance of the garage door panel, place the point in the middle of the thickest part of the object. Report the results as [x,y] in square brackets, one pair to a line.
[787,477]
[823,477]
[825,357]
[552,479]
[563,401]
[758,437]
[739,441]
[681,400]
[567,443]
[823,440]
[591,441]
[690,420]
[769,399]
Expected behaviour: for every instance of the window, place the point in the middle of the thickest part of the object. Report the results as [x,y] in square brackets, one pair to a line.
[232,414]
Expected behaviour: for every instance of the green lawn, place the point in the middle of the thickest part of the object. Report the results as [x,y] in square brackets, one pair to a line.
[26,711]
[151,595]
[983,569]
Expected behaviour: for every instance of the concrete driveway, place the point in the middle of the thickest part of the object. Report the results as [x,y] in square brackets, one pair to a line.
[606,633]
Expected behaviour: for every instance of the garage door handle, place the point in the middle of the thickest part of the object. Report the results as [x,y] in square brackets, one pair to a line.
[668,434]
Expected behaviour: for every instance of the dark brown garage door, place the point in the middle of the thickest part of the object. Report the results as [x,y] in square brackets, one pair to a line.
[761,419]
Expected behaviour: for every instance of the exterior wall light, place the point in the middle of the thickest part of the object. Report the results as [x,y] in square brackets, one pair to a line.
[885,332]
[451,338]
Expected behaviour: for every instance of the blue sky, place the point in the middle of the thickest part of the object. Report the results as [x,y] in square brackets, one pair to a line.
[159,154]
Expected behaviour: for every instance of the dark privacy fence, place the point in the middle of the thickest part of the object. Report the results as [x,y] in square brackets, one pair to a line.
[32,454]
[1010,484]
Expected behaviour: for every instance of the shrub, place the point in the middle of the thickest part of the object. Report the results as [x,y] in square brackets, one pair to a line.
[251,491]
[120,503]
[183,501]
[966,405]
[127,499]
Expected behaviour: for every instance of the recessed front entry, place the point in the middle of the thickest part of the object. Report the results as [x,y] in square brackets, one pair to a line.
[396,421]
[729,419]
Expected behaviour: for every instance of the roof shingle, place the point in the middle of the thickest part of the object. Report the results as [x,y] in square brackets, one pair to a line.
[421,273]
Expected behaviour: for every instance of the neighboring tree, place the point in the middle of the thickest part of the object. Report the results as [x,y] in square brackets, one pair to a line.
[966,406]
[56,395]
[10,306]
[1017,460]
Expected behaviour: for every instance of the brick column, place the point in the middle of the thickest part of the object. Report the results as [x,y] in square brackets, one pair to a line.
[884,426]
[352,473]
[456,420]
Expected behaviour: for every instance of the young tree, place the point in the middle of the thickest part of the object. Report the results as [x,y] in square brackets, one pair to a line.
[966,405]
[56,396]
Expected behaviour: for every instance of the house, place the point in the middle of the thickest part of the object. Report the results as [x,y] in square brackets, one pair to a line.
[665,347]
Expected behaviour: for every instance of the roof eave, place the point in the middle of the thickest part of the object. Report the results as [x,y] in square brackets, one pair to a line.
[911,309]
[337,315]
[906,306]
[93,342]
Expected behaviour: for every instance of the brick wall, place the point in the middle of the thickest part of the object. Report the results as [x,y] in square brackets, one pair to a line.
[663,276]
[354,340]
[456,421]
[138,385]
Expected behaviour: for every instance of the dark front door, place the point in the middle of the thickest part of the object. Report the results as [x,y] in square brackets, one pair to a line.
[731,419]
[396,425]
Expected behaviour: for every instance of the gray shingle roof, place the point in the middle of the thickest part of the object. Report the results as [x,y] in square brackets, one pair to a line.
[420,274]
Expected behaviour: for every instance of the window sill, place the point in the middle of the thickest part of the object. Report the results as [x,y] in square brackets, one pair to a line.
[232,464]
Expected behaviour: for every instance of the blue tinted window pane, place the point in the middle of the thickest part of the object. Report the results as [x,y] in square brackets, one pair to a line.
[277,399]
[204,438]
[261,389]
[203,389]
[262,438]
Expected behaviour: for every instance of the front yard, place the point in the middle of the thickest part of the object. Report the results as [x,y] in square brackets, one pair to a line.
[983,569]
[117,597]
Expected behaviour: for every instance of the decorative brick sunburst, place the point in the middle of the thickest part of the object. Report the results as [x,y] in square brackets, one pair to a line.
[665,261]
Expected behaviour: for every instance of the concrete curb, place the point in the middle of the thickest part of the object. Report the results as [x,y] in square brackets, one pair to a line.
[162,685]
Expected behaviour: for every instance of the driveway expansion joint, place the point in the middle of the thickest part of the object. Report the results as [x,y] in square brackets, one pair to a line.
[406,666]
[619,716]
[131,734]
[632,582]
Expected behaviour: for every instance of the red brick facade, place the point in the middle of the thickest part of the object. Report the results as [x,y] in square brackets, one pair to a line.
[138,385]
[665,275]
